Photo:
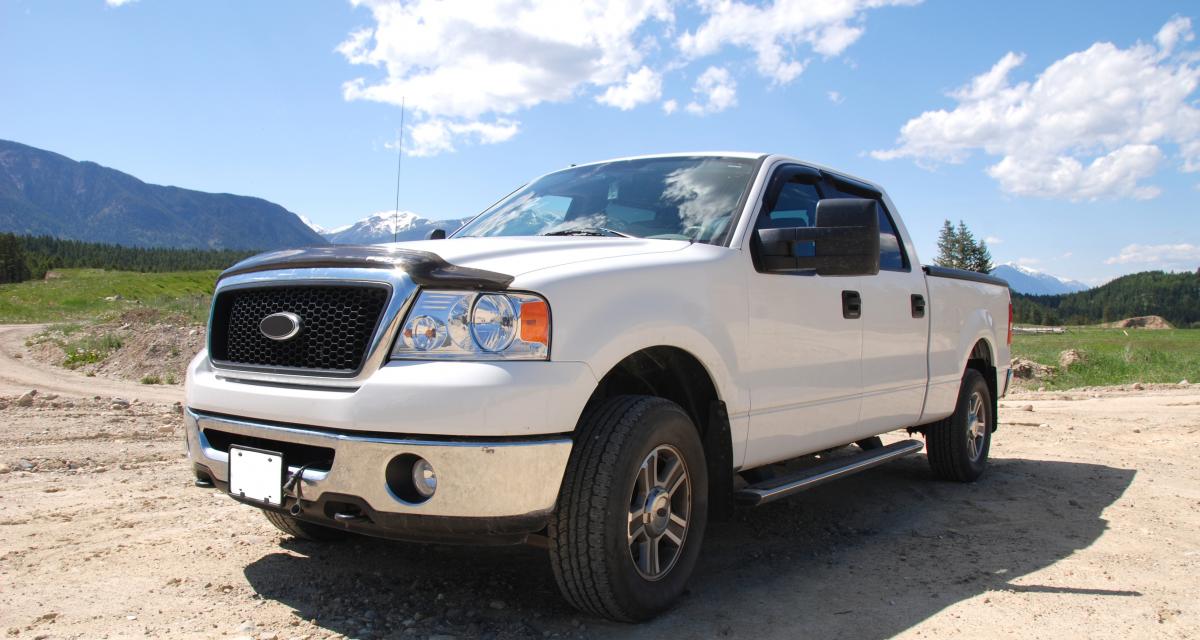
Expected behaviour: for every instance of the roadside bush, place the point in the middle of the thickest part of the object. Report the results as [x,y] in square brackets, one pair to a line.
[89,350]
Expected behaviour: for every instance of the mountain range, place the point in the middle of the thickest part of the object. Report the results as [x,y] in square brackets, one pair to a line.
[1036,283]
[384,226]
[44,193]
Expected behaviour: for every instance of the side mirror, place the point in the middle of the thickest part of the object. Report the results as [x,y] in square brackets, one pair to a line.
[436,234]
[845,241]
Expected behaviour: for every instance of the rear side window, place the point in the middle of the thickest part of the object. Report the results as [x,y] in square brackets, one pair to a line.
[891,253]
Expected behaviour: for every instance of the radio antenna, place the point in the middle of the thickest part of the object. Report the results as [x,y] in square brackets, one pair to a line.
[399,162]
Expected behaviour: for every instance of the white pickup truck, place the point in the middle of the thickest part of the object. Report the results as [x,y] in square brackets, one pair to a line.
[600,362]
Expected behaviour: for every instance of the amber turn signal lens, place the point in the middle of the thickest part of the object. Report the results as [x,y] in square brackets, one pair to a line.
[535,322]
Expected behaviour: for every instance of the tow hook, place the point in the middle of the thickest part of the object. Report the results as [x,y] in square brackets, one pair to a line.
[349,516]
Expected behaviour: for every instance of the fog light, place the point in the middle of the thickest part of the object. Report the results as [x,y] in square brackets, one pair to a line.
[423,477]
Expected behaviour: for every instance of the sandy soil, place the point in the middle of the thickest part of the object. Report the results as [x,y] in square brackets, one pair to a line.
[1087,524]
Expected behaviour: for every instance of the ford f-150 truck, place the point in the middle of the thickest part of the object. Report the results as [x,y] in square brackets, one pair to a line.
[600,362]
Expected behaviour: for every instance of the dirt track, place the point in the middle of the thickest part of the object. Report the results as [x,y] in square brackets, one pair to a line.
[1087,524]
[19,373]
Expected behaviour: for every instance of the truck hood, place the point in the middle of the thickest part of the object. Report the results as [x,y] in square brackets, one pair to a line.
[476,263]
[517,255]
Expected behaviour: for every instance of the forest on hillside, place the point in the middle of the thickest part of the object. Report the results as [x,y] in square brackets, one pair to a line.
[30,257]
[1174,296]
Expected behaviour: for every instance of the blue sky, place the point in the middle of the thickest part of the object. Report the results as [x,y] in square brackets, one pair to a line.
[1077,154]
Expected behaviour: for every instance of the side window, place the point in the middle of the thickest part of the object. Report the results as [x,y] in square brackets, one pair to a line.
[796,206]
[891,254]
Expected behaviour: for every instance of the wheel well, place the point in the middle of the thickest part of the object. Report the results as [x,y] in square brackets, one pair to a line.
[665,372]
[676,375]
[981,360]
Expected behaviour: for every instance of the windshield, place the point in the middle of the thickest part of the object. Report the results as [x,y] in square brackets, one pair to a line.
[680,198]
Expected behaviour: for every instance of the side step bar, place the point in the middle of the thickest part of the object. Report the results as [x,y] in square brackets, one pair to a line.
[776,488]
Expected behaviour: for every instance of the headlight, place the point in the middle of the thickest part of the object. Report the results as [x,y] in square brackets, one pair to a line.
[458,325]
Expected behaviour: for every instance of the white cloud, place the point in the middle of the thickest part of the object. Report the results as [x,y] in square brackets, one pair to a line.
[466,69]
[438,135]
[1177,29]
[775,32]
[118,3]
[1028,262]
[463,69]
[643,85]
[835,97]
[715,91]
[1091,125]
[1171,257]
[993,240]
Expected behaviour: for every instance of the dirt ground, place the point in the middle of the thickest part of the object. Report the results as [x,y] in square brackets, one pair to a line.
[1087,524]
[153,347]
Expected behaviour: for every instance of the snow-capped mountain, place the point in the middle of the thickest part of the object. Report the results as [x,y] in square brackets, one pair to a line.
[386,225]
[310,224]
[1033,282]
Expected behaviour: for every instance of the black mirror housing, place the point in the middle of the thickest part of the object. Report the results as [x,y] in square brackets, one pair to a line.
[845,240]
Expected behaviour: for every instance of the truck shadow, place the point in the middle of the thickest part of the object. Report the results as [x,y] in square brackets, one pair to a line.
[866,557]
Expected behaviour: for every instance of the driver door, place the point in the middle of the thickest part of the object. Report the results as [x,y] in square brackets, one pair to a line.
[805,353]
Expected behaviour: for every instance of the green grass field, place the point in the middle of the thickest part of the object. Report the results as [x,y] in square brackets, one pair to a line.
[79,294]
[1115,356]
[1112,356]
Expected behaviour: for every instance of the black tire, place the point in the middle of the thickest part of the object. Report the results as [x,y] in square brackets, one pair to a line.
[303,530]
[955,449]
[590,533]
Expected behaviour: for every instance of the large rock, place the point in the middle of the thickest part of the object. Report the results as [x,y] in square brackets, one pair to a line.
[1070,357]
[26,398]
[1024,369]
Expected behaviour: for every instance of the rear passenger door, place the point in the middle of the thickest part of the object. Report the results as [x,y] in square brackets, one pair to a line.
[895,316]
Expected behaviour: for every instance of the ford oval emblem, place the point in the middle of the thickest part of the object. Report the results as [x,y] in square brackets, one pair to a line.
[280,326]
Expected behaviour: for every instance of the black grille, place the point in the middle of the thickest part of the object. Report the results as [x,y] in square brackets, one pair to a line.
[337,322]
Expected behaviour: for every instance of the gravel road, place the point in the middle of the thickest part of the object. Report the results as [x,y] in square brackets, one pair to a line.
[1087,524]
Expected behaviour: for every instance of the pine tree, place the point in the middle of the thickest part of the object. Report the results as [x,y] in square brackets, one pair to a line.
[947,243]
[12,260]
[980,258]
[957,248]
[966,247]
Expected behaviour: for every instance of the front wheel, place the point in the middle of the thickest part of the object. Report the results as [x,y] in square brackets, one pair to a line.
[958,446]
[632,509]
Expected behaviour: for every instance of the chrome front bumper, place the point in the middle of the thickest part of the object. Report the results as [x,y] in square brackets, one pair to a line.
[477,478]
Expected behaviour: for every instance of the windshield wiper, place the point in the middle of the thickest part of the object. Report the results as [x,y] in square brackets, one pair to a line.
[588,231]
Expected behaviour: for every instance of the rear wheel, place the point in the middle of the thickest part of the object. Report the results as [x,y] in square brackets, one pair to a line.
[958,446]
[303,530]
[632,509]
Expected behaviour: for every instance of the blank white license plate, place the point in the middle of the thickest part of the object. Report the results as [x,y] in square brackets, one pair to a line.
[255,474]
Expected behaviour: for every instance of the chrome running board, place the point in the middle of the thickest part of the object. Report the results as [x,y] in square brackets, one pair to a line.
[782,487]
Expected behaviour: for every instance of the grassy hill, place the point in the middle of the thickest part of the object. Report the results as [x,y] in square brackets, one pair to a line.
[90,294]
[1174,296]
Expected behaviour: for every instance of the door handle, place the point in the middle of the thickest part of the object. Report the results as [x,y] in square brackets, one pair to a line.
[918,305]
[851,305]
